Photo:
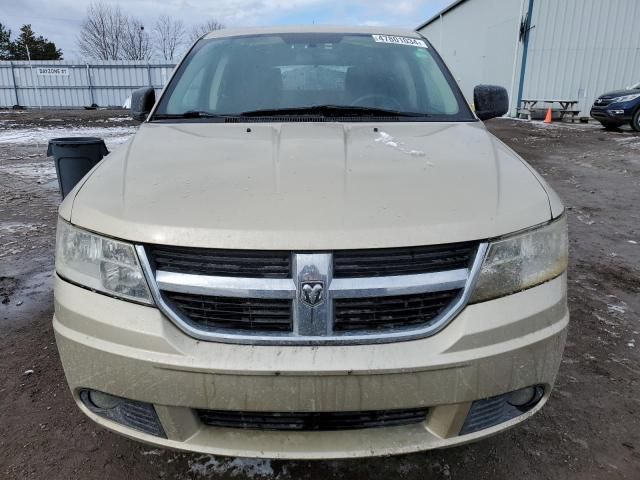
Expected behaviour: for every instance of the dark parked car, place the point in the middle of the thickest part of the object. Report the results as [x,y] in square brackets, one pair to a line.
[614,109]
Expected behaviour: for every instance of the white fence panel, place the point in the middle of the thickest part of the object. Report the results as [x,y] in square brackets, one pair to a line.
[65,84]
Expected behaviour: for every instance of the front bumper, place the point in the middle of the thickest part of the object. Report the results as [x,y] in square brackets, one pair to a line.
[614,113]
[133,351]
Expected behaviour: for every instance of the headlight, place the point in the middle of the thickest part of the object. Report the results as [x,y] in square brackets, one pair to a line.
[522,261]
[100,263]
[626,98]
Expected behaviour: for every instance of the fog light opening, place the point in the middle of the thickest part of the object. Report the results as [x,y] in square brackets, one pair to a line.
[103,401]
[492,411]
[526,398]
[134,414]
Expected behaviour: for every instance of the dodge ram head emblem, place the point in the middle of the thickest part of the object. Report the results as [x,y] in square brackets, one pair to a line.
[312,293]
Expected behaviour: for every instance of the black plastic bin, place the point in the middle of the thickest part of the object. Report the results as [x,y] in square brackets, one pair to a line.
[74,157]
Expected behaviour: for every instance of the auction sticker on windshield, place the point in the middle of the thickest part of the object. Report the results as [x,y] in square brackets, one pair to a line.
[413,42]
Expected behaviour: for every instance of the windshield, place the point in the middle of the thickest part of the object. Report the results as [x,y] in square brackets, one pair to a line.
[296,74]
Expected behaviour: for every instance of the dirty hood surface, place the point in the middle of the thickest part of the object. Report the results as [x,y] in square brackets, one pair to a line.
[310,186]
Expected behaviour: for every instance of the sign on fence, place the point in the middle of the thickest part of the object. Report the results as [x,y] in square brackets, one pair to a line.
[53,71]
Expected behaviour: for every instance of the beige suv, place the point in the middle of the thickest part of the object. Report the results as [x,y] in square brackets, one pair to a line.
[312,248]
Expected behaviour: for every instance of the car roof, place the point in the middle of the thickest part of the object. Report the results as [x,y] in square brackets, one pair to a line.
[236,32]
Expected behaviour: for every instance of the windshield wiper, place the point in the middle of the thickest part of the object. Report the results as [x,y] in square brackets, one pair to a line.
[186,115]
[333,110]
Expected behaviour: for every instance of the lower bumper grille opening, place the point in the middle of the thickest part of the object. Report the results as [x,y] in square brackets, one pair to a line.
[312,421]
[386,313]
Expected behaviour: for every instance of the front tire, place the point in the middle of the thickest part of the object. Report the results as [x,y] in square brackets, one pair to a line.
[635,122]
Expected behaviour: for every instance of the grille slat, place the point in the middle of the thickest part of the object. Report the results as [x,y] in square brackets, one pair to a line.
[402,261]
[413,254]
[231,263]
[258,314]
[226,313]
[405,317]
[255,302]
[374,271]
[318,421]
[375,313]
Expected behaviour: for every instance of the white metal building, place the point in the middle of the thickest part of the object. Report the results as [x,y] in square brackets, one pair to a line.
[540,49]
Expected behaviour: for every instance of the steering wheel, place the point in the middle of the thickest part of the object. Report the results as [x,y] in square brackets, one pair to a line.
[385,101]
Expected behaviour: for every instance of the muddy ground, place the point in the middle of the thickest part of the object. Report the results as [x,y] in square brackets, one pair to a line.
[590,428]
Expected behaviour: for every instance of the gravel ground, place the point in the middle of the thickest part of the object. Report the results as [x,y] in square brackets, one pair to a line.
[590,428]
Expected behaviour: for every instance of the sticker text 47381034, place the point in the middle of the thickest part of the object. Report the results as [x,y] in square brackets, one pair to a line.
[412,42]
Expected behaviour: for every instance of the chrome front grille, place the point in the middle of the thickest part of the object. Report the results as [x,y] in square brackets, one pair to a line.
[402,261]
[603,101]
[226,263]
[342,297]
[383,313]
[232,314]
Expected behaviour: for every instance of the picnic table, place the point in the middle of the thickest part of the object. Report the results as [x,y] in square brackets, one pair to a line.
[567,107]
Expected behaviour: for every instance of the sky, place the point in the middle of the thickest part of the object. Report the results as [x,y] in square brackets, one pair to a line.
[60,20]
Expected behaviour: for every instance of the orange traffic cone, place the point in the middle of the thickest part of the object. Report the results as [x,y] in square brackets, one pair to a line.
[548,118]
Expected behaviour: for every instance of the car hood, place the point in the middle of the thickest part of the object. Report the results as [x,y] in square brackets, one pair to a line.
[618,93]
[310,186]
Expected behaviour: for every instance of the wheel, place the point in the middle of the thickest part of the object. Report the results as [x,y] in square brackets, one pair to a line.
[635,122]
[609,125]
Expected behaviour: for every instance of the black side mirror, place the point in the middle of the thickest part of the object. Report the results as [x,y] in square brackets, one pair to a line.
[491,101]
[142,101]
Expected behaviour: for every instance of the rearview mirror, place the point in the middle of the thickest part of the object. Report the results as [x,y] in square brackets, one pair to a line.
[490,101]
[142,101]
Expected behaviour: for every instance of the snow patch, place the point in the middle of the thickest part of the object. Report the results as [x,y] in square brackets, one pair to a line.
[12,228]
[41,136]
[152,452]
[247,467]
[586,219]
[42,171]
[555,124]
[12,237]
[389,141]
[621,309]
[631,140]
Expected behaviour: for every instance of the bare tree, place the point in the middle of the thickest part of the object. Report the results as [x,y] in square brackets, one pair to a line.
[102,31]
[136,44]
[169,37]
[204,28]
